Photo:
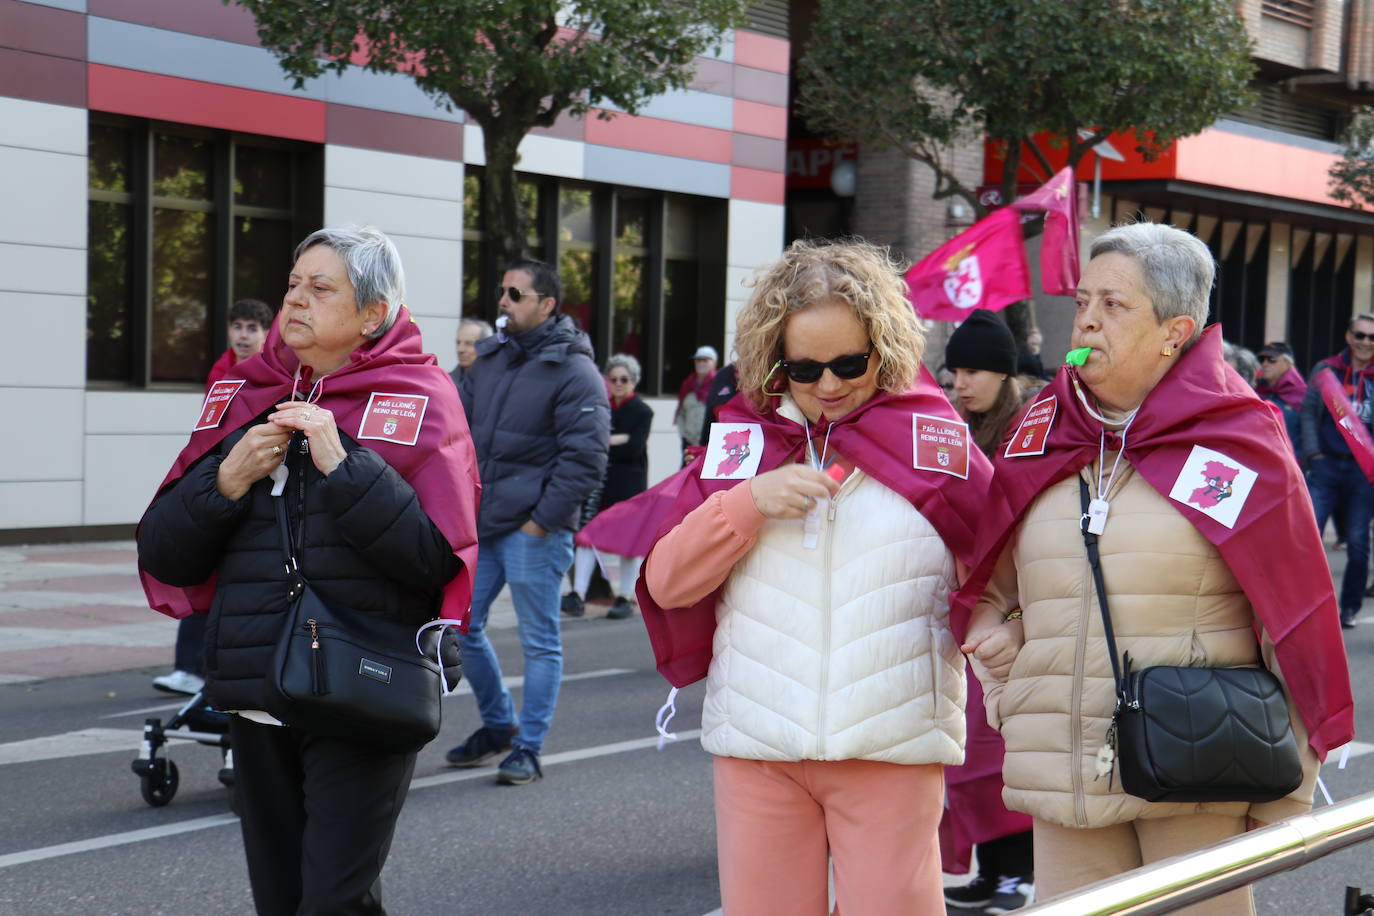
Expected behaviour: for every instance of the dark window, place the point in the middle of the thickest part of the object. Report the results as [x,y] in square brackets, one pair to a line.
[633,263]
[182,222]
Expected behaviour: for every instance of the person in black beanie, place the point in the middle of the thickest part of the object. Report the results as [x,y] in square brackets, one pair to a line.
[982,355]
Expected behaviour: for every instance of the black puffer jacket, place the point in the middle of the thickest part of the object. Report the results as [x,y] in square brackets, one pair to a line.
[541,424]
[368,545]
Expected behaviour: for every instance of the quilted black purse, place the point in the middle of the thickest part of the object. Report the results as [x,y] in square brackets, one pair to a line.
[1183,734]
[351,675]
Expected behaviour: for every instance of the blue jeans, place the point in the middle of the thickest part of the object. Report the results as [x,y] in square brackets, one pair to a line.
[1337,481]
[533,567]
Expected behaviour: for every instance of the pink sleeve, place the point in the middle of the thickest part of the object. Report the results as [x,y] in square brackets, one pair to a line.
[692,560]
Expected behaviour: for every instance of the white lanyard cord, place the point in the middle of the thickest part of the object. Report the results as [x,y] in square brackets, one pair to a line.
[1102,460]
[818,463]
[316,390]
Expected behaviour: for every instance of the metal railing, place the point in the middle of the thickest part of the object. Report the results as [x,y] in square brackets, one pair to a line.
[1165,886]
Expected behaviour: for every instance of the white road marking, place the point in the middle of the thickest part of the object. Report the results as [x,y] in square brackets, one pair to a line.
[72,744]
[115,839]
[128,837]
[463,690]
[122,635]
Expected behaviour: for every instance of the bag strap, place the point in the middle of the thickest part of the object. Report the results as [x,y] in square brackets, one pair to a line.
[1095,561]
[288,546]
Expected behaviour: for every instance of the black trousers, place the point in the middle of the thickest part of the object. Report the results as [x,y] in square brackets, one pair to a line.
[317,815]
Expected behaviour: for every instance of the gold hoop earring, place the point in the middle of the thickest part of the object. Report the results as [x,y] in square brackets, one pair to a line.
[767,378]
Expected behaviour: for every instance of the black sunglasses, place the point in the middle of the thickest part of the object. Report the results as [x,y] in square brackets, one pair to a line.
[806,371]
[1270,359]
[514,293]
[1361,335]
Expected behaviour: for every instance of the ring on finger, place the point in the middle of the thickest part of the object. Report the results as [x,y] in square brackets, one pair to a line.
[276,451]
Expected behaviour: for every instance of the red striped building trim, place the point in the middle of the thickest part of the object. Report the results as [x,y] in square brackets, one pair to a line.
[763,51]
[653,135]
[757,185]
[169,98]
[760,120]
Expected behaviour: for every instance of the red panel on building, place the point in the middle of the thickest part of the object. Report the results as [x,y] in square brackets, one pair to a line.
[761,120]
[654,135]
[1134,168]
[756,184]
[762,51]
[169,98]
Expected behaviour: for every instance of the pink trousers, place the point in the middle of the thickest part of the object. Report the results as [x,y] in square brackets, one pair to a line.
[777,823]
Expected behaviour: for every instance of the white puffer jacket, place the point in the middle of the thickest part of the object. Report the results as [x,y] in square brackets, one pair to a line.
[842,651]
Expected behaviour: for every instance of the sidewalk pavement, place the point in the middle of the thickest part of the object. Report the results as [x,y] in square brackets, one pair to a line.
[70,609]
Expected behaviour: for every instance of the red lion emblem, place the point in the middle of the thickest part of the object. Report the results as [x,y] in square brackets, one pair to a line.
[1220,480]
[736,452]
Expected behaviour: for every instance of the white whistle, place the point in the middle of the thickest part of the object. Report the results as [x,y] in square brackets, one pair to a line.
[278,476]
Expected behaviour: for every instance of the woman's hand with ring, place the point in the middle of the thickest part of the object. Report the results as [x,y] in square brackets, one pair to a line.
[790,491]
[252,458]
[326,450]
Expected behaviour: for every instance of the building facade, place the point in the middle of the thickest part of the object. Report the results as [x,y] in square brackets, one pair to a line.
[156,165]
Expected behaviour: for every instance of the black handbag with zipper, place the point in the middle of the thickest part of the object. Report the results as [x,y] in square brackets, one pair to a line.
[1184,734]
[348,674]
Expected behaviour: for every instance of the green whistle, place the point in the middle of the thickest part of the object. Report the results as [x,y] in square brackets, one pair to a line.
[1078,357]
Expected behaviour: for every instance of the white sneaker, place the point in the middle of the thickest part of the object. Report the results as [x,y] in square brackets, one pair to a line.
[180,682]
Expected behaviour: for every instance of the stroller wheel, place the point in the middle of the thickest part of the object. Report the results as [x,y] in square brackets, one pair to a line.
[159,784]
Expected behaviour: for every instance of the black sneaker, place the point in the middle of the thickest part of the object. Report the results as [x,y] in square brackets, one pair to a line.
[573,605]
[972,896]
[481,746]
[1013,892]
[620,609]
[521,767]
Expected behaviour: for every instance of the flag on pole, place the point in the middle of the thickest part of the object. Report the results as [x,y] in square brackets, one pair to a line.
[1059,243]
[983,267]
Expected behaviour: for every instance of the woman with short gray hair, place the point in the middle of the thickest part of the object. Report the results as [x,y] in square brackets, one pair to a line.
[373,266]
[627,475]
[1149,442]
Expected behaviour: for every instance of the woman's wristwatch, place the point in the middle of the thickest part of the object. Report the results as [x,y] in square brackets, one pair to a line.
[1014,615]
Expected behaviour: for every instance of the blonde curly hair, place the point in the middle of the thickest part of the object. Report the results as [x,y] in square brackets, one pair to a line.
[864,276]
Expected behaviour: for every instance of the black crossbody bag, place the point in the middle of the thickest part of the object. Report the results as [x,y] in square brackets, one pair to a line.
[351,675]
[1183,734]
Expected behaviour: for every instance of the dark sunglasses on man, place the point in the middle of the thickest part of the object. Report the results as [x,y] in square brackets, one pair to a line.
[808,371]
[514,293]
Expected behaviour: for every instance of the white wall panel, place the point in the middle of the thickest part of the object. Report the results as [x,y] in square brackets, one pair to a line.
[122,474]
[756,234]
[40,126]
[40,504]
[434,274]
[539,154]
[43,434]
[393,173]
[139,412]
[47,336]
[43,269]
[47,206]
[394,214]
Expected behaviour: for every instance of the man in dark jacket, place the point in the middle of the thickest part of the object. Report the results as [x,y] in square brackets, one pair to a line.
[541,426]
[1334,478]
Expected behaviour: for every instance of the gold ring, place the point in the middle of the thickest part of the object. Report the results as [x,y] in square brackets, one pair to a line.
[276,451]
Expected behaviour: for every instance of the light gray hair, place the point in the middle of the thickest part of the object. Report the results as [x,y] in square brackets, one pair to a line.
[1176,267]
[484,329]
[373,266]
[1241,359]
[626,362]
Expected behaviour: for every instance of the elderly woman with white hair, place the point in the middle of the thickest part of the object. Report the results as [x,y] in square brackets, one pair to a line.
[346,424]
[1184,476]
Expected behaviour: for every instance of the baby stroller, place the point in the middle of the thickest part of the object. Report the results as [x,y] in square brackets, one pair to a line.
[196,721]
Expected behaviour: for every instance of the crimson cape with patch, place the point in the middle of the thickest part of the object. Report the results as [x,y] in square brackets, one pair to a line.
[1274,550]
[877,438]
[440,466]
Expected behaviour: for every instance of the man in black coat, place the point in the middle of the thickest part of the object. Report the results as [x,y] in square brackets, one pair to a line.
[540,424]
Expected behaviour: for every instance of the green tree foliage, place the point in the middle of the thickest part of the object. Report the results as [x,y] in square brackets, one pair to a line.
[1352,176]
[921,76]
[511,65]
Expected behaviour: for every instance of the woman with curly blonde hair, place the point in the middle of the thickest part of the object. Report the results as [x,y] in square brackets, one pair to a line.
[804,571]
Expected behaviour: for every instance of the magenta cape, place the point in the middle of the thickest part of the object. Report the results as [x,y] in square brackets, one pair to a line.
[440,466]
[630,527]
[877,438]
[1290,388]
[1348,422]
[1274,550]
